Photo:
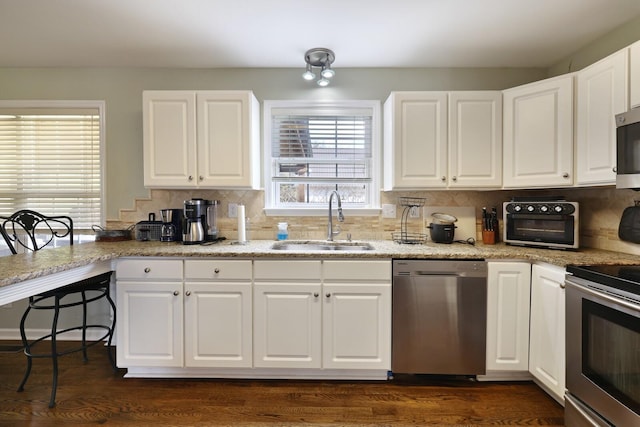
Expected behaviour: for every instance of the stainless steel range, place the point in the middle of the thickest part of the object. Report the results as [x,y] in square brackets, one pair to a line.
[603,346]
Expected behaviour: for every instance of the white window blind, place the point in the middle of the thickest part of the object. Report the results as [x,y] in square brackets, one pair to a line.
[315,150]
[51,161]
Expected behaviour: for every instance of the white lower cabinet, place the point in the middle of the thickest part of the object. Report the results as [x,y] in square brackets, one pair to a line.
[508,303]
[246,318]
[322,314]
[218,313]
[547,334]
[149,313]
[356,316]
[164,321]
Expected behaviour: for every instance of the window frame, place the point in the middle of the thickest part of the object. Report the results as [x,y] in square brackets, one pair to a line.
[270,206]
[100,106]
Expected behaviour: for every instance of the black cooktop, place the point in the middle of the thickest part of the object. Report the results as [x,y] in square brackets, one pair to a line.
[623,277]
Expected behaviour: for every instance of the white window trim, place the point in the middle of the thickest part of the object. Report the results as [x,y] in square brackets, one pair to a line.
[374,209]
[101,107]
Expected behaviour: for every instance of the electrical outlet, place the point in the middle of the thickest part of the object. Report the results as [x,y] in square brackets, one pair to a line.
[233,210]
[388,211]
[414,212]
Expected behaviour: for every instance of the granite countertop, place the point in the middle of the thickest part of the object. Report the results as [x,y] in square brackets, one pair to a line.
[19,268]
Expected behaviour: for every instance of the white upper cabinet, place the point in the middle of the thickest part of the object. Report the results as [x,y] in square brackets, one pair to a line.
[601,94]
[415,140]
[538,134]
[201,139]
[634,81]
[169,142]
[475,139]
[443,139]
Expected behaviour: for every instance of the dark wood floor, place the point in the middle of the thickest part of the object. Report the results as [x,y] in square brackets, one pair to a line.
[92,394]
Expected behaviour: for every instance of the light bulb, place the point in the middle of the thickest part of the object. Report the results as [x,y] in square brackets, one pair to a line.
[323,82]
[308,74]
[327,73]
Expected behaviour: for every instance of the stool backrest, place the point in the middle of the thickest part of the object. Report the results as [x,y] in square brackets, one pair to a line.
[33,231]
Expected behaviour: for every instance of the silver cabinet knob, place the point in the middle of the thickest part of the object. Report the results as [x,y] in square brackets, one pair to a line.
[443,179]
[615,169]
[565,175]
[328,295]
[146,270]
[190,178]
[201,178]
[315,294]
[187,293]
[216,270]
[176,293]
[455,178]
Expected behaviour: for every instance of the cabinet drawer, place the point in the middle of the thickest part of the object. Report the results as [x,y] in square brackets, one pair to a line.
[340,270]
[157,269]
[217,269]
[283,270]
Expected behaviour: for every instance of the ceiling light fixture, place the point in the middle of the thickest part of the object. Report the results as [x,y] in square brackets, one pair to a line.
[321,58]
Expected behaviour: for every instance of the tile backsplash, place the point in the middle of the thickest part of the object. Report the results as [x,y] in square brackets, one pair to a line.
[600,212]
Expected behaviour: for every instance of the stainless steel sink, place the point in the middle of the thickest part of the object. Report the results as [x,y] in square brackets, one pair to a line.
[307,246]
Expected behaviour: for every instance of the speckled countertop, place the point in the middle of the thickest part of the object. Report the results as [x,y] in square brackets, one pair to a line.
[18,268]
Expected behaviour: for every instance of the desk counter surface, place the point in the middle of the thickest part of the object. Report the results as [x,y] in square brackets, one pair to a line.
[19,268]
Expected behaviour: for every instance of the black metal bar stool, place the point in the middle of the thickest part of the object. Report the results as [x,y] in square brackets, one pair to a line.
[27,230]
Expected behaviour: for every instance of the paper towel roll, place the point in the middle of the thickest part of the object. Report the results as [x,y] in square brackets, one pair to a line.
[242,232]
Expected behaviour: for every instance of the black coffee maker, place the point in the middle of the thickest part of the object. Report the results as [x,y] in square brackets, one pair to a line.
[171,230]
[200,221]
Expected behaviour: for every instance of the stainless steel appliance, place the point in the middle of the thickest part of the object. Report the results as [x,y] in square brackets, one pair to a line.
[439,317]
[628,149]
[603,346]
[194,222]
[549,223]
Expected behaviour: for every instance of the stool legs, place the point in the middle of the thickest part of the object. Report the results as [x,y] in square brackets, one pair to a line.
[55,352]
[27,350]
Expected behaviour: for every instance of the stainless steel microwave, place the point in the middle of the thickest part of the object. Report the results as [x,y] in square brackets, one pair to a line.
[628,149]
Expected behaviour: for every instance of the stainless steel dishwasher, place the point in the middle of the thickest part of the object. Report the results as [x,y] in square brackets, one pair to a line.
[439,317]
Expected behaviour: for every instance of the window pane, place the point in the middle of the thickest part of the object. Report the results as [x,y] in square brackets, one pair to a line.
[317,195]
[318,149]
[52,162]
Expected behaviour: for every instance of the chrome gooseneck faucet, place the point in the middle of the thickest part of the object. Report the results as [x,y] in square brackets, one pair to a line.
[330,232]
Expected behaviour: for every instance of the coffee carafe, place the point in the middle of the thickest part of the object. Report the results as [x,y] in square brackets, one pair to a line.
[193,227]
[171,230]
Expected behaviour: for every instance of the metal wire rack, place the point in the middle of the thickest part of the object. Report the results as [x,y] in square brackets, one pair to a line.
[404,236]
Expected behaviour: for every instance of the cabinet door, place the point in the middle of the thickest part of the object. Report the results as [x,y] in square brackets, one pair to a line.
[634,75]
[356,326]
[475,139]
[169,138]
[538,134]
[547,340]
[149,324]
[217,324]
[228,139]
[601,94]
[415,140]
[287,329]
[508,301]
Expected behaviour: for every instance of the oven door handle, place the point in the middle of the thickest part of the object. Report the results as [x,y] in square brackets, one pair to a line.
[602,295]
